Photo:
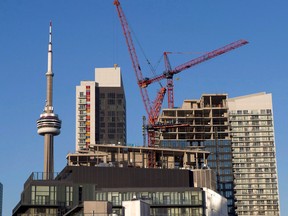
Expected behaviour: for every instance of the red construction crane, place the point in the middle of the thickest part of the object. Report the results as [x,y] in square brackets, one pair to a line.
[169,72]
[152,111]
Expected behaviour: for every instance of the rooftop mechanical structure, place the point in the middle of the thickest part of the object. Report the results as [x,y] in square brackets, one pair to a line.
[49,124]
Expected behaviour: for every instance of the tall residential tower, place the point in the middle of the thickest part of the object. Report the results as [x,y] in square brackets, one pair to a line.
[254,155]
[49,124]
[101,110]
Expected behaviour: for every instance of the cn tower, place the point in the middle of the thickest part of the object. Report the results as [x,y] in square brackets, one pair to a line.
[49,124]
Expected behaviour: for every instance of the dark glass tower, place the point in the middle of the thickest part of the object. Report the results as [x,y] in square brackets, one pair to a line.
[111,126]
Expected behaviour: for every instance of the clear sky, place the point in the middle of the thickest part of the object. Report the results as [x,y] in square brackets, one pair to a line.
[87,34]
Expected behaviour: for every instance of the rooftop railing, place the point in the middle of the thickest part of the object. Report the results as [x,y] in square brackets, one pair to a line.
[39,176]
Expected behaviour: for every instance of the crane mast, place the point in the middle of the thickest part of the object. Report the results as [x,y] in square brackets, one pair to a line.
[152,111]
[170,84]
[133,55]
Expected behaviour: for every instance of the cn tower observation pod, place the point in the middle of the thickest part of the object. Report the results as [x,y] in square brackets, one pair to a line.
[49,123]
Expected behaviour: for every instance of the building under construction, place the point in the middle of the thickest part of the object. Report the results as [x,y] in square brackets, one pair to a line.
[239,133]
[128,156]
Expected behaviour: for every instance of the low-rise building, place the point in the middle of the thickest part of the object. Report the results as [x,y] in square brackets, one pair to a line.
[103,176]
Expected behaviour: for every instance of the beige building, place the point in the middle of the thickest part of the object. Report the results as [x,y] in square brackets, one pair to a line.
[254,154]
[101,109]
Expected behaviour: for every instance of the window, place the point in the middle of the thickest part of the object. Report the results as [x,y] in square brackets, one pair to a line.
[166,199]
[120,96]
[111,130]
[80,193]
[195,198]
[43,195]
[111,124]
[228,186]
[228,194]
[111,113]
[101,196]
[69,195]
[111,101]
[111,95]
[115,198]
[111,136]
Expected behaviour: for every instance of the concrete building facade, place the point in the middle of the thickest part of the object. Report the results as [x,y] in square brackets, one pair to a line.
[254,154]
[136,207]
[101,109]
[239,134]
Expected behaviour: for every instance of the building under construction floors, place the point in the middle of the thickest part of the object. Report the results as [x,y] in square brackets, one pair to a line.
[128,156]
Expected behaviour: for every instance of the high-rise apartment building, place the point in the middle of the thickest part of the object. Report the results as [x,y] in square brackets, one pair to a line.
[101,110]
[240,136]
[254,155]
[1,198]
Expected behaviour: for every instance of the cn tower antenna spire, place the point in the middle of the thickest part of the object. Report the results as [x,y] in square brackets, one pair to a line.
[49,124]
[49,74]
[50,49]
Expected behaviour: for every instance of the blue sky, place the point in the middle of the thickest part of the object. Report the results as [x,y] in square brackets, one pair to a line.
[87,34]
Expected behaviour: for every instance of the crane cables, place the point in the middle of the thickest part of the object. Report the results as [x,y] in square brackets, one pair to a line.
[152,68]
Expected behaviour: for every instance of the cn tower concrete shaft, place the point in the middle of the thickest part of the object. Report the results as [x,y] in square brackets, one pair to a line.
[49,124]
[48,156]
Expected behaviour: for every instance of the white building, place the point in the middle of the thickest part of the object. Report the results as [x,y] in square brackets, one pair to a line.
[254,154]
[216,205]
[136,208]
